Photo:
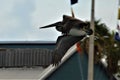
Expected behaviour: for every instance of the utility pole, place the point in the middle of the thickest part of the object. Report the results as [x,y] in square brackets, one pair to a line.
[91,46]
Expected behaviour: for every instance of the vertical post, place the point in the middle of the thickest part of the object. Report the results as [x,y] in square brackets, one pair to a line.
[118,10]
[91,46]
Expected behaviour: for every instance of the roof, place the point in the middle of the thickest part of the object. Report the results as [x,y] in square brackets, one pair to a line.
[75,68]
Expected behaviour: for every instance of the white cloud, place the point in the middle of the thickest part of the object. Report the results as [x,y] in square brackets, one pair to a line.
[7,22]
[21,19]
[43,35]
[13,23]
[48,12]
[107,12]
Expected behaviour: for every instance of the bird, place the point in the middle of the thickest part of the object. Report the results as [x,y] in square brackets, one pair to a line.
[73,30]
[66,24]
[63,43]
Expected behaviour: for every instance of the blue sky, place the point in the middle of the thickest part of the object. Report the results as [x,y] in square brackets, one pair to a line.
[20,19]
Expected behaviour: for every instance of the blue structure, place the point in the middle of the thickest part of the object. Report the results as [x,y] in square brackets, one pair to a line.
[117,37]
[76,68]
[27,44]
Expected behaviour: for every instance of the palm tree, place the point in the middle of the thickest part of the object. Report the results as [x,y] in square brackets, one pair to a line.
[104,45]
[100,31]
[113,54]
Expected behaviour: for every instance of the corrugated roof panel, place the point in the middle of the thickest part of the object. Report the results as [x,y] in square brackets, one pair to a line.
[18,57]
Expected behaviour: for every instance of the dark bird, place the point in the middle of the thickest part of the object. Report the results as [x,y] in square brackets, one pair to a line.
[64,42]
[52,25]
[66,24]
[70,27]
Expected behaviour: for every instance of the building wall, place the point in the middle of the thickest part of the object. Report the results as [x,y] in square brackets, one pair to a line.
[19,55]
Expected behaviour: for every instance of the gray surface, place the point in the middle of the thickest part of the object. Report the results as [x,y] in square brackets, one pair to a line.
[18,57]
[20,73]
